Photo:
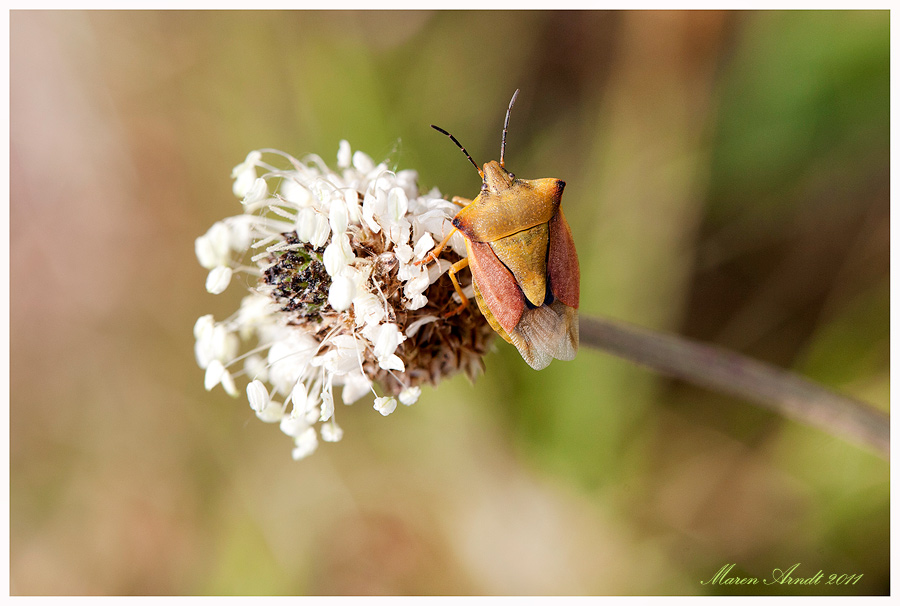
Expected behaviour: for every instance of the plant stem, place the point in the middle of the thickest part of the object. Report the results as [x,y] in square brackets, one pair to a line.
[728,372]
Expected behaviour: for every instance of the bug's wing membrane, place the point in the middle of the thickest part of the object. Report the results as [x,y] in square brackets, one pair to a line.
[496,284]
[568,346]
[547,332]
[562,262]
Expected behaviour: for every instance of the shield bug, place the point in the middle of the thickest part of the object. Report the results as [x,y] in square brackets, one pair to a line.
[522,257]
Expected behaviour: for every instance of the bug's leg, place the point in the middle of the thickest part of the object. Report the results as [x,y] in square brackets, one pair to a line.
[456,267]
[433,255]
[460,201]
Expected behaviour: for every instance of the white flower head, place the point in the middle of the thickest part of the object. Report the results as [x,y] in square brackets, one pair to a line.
[331,432]
[218,279]
[305,444]
[244,174]
[341,295]
[258,192]
[385,405]
[410,395]
[258,395]
[344,154]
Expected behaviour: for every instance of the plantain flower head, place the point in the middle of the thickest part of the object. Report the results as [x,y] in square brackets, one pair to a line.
[334,294]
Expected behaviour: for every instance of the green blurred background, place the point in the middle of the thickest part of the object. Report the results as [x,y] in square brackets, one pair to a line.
[728,180]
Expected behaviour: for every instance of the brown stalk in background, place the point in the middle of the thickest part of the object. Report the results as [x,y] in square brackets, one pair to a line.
[725,371]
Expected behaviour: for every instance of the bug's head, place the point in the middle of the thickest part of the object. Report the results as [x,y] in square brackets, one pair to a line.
[496,178]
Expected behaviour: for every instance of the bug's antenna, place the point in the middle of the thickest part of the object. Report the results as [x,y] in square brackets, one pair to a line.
[506,126]
[459,145]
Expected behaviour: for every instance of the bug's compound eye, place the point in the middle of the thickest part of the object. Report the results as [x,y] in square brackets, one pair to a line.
[512,176]
[484,187]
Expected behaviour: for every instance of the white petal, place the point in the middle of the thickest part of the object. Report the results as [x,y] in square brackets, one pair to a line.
[332,259]
[220,235]
[400,231]
[367,309]
[205,252]
[397,204]
[369,217]
[356,385]
[351,200]
[293,426]
[409,180]
[370,332]
[358,278]
[320,231]
[417,302]
[255,368]
[228,385]
[345,356]
[240,234]
[345,341]
[218,279]
[312,416]
[306,221]
[392,362]
[436,270]
[424,245]
[381,173]
[418,284]
[344,154]
[404,253]
[410,395]
[289,359]
[258,191]
[222,343]
[214,373]
[305,444]
[256,311]
[327,408]
[338,217]
[293,190]
[258,395]
[203,326]
[436,222]
[214,247]
[272,413]
[385,405]
[362,162]
[413,328]
[341,293]
[300,397]
[249,162]
[338,255]
[388,339]
[331,432]
[458,244]
[373,206]
[203,353]
[244,174]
